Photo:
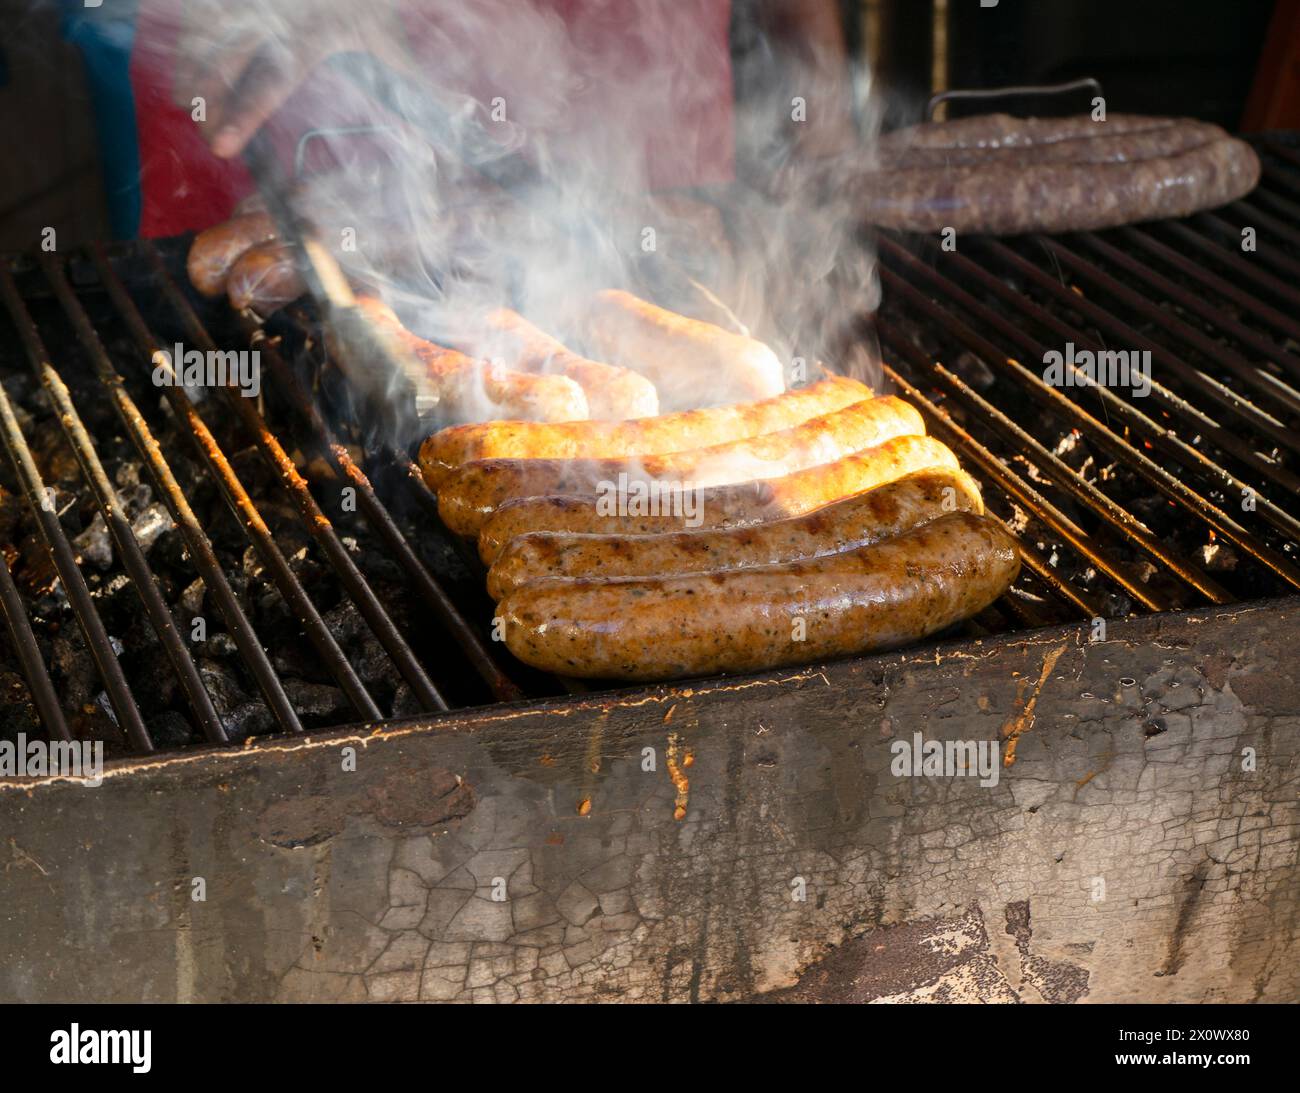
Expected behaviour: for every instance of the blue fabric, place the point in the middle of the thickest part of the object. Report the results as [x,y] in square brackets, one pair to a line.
[105,36]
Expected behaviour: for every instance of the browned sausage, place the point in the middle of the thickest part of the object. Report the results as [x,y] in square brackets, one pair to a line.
[215,250]
[842,525]
[265,278]
[691,363]
[740,620]
[613,393]
[473,389]
[448,449]
[1006,175]
[722,506]
[473,492]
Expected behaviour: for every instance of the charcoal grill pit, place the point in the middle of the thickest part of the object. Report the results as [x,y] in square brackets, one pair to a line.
[333,628]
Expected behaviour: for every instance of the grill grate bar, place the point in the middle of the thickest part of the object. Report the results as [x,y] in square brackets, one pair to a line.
[314,519]
[1256,377]
[1269,255]
[952,433]
[1268,315]
[328,445]
[241,503]
[29,657]
[196,542]
[110,507]
[1033,385]
[1175,404]
[1220,253]
[1251,374]
[65,564]
[1029,498]
[1075,485]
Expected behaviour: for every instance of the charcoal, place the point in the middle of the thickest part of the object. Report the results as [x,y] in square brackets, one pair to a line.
[296,658]
[317,701]
[169,729]
[373,664]
[222,645]
[192,597]
[77,679]
[150,524]
[241,716]
[93,545]
[17,713]
[405,704]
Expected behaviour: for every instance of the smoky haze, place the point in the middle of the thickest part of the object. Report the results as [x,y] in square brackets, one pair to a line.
[394,178]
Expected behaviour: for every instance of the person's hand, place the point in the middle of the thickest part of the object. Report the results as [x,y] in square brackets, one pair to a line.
[244,58]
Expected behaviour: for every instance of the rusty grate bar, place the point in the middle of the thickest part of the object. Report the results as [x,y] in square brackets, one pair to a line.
[314,519]
[29,657]
[379,518]
[240,502]
[955,436]
[196,542]
[1173,488]
[110,508]
[1196,460]
[99,645]
[1082,491]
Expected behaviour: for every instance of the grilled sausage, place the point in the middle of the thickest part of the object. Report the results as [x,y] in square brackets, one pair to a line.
[876,597]
[473,492]
[449,448]
[265,278]
[470,388]
[613,393]
[216,249]
[723,506]
[842,525]
[1005,175]
[691,363]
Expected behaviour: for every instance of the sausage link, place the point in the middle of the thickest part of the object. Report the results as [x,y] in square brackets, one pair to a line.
[876,597]
[691,363]
[216,249]
[265,278]
[854,522]
[469,388]
[446,450]
[473,492]
[613,393]
[723,506]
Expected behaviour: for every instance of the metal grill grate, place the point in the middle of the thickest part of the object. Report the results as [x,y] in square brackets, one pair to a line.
[1119,503]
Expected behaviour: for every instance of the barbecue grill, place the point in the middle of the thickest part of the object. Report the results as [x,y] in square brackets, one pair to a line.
[1159,539]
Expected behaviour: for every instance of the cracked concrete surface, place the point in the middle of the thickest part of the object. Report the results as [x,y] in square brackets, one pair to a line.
[1125,855]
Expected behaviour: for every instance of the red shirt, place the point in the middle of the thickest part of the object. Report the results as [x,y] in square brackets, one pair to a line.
[646,93]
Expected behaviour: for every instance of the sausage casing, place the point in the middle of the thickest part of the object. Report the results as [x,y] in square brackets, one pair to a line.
[469,388]
[216,249]
[468,496]
[691,363]
[447,449]
[722,506]
[265,278]
[613,393]
[877,597]
[854,522]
